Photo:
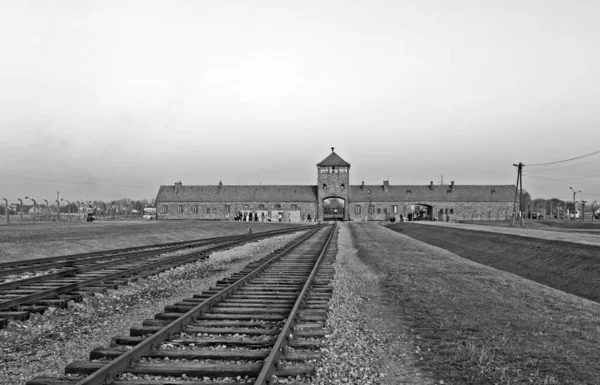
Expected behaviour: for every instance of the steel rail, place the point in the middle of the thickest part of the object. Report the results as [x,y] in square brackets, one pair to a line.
[77,285]
[89,261]
[269,365]
[131,256]
[116,260]
[128,358]
[31,263]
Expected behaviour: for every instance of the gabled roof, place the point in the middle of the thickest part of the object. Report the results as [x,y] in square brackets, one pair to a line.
[333,160]
[261,193]
[415,193]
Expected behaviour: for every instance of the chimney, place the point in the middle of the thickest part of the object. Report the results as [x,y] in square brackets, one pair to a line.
[386,185]
[431,185]
[362,187]
[177,186]
[452,185]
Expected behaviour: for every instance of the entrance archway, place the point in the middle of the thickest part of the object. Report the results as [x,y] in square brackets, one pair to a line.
[420,212]
[333,209]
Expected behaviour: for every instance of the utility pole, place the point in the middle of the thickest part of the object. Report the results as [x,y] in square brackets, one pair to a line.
[583,210]
[520,187]
[515,201]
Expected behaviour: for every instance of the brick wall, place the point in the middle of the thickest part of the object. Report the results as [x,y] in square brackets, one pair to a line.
[217,210]
[334,182]
[460,210]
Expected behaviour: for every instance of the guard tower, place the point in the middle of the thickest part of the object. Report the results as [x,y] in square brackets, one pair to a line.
[333,188]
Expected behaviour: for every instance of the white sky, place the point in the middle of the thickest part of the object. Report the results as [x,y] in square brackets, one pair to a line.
[107,99]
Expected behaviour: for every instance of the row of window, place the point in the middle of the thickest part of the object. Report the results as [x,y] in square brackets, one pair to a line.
[333,170]
[165,208]
[358,208]
[342,186]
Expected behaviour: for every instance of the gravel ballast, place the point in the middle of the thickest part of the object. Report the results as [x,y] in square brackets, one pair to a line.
[367,340]
[46,343]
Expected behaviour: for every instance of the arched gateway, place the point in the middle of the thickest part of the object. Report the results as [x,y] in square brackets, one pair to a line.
[333,209]
[333,176]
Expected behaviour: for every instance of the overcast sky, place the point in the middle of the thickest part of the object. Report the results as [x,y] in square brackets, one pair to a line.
[110,99]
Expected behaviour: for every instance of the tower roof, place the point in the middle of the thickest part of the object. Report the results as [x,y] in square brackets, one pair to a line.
[333,159]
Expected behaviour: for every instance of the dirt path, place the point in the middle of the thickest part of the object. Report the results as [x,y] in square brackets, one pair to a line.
[576,237]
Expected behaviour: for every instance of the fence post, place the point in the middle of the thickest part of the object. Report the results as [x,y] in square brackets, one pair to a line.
[6,210]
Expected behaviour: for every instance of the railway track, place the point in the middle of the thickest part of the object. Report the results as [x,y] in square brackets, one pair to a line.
[267,320]
[34,285]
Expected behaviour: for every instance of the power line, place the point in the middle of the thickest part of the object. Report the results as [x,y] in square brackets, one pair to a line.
[566,160]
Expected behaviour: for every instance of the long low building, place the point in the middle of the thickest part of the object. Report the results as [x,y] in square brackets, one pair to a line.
[333,198]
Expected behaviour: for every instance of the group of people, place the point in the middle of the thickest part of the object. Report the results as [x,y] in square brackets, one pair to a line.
[252,216]
[249,216]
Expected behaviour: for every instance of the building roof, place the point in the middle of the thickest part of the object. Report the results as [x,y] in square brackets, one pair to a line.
[333,159]
[261,193]
[415,193]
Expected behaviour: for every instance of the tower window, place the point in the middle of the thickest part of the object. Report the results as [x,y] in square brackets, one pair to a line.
[179,209]
[408,192]
[323,170]
[343,186]
[334,170]
[371,209]
[357,209]
[343,170]
[324,186]
[195,209]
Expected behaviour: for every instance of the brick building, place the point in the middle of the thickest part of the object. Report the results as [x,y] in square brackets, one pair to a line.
[334,198]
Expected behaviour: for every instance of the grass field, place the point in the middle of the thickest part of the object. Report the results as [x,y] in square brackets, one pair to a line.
[474,324]
[40,240]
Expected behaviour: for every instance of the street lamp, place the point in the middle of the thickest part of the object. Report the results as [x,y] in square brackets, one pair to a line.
[574,193]
[34,207]
[6,210]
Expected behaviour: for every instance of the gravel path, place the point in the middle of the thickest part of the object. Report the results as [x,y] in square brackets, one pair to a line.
[46,343]
[587,239]
[368,342]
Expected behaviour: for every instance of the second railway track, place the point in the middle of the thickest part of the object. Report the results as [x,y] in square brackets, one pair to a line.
[264,321]
[57,280]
